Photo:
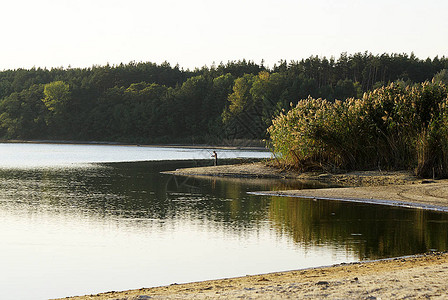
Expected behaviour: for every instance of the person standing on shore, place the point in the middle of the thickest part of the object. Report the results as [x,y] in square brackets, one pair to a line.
[215,155]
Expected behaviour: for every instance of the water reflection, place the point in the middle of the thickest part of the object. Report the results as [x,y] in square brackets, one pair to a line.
[369,231]
[32,156]
[124,225]
[136,191]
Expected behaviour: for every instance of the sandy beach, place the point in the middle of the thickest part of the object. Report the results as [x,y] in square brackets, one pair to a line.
[417,277]
[422,276]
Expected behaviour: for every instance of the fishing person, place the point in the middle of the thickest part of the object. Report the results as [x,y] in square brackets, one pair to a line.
[215,155]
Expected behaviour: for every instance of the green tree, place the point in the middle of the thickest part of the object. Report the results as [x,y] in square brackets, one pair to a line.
[214,104]
[270,94]
[56,95]
[441,77]
[347,89]
[240,116]
[22,114]
[189,103]
[58,116]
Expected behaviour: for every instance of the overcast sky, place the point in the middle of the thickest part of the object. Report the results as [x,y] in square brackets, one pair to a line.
[194,33]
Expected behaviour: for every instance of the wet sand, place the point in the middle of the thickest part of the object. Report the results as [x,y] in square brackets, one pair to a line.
[417,277]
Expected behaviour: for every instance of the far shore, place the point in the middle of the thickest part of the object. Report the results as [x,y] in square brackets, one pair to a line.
[414,277]
[161,145]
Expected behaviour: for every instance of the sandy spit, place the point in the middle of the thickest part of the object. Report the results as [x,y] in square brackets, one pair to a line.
[416,277]
[263,170]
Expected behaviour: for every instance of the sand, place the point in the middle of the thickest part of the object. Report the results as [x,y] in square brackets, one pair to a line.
[417,277]
[433,196]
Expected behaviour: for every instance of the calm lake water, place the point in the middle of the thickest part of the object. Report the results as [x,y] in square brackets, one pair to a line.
[70,226]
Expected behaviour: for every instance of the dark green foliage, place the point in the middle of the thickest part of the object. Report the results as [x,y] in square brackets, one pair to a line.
[23,114]
[441,77]
[150,103]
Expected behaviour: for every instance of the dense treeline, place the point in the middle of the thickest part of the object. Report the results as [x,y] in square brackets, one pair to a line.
[150,103]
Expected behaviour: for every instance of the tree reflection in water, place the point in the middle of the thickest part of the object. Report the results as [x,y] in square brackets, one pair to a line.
[137,191]
[371,231]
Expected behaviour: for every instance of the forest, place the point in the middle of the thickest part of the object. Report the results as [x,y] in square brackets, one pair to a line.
[147,103]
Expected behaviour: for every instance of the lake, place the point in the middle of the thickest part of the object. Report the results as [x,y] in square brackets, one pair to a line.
[84,219]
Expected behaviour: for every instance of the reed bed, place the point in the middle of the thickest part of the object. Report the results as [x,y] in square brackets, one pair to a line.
[392,127]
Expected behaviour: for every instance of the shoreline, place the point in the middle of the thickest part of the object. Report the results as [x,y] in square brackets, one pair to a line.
[352,197]
[429,196]
[409,277]
[263,170]
[158,145]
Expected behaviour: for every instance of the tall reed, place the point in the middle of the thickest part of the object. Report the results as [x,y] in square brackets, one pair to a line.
[393,127]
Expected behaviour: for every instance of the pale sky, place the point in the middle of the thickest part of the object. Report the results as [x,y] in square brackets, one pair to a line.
[194,33]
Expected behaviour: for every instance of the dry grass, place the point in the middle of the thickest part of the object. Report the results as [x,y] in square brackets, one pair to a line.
[392,127]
